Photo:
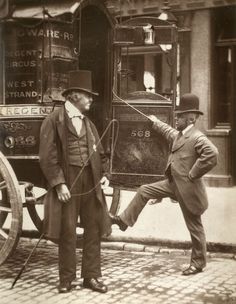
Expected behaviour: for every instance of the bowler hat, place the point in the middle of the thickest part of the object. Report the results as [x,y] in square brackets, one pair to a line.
[188,103]
[80,80]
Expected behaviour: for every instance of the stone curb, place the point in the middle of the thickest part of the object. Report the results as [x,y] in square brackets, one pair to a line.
[171,244]
[135,246]
[156,249]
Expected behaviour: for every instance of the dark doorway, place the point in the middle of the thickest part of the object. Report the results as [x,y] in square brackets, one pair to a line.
[95,55]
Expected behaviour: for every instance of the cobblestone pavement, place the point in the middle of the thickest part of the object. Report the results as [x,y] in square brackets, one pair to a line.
[133,277]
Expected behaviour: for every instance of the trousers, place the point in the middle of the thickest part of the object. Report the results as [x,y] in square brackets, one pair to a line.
[162,189]
[89,209]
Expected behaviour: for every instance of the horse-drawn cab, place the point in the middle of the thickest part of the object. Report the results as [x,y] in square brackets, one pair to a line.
[134,71]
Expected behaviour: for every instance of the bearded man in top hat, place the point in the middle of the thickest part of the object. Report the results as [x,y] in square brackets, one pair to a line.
[73,162]
[191,156]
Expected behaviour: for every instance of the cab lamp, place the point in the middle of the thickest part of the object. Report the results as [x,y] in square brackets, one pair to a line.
[149,34]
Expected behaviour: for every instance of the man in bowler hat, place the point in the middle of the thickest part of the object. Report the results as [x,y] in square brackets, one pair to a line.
[73,162]
[191,156]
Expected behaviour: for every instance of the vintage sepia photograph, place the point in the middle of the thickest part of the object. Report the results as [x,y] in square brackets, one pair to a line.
[117,151]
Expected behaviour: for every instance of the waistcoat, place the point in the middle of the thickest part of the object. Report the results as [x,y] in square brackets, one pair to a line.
[77,147]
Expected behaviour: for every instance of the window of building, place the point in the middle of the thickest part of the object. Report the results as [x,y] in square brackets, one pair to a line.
[224,56]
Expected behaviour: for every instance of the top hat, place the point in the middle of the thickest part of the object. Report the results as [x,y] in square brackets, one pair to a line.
[189,103]
[80,80]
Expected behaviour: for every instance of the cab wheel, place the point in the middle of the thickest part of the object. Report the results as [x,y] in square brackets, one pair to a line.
[10,209]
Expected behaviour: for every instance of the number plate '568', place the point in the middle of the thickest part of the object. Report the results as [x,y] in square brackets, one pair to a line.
[140,133]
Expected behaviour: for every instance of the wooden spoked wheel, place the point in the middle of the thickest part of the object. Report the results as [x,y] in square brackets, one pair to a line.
[35,214]
[10,209]
[35,208]
[113,200]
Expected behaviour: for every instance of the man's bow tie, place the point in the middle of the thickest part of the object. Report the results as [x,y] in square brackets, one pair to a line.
[78,115]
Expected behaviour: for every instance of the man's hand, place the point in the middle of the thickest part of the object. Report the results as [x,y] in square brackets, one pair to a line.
[104,182]
[63,193]
[153,118]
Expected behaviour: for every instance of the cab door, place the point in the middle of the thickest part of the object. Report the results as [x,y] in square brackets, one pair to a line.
[145,66]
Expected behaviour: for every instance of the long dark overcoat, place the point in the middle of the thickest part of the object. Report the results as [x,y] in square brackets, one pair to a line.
[192,155]
[54,164]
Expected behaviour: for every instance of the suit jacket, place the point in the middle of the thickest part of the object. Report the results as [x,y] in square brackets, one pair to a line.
[190,157]
[53,159]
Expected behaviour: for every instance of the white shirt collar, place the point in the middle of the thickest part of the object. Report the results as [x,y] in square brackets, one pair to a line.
[72,111]
[187,128]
